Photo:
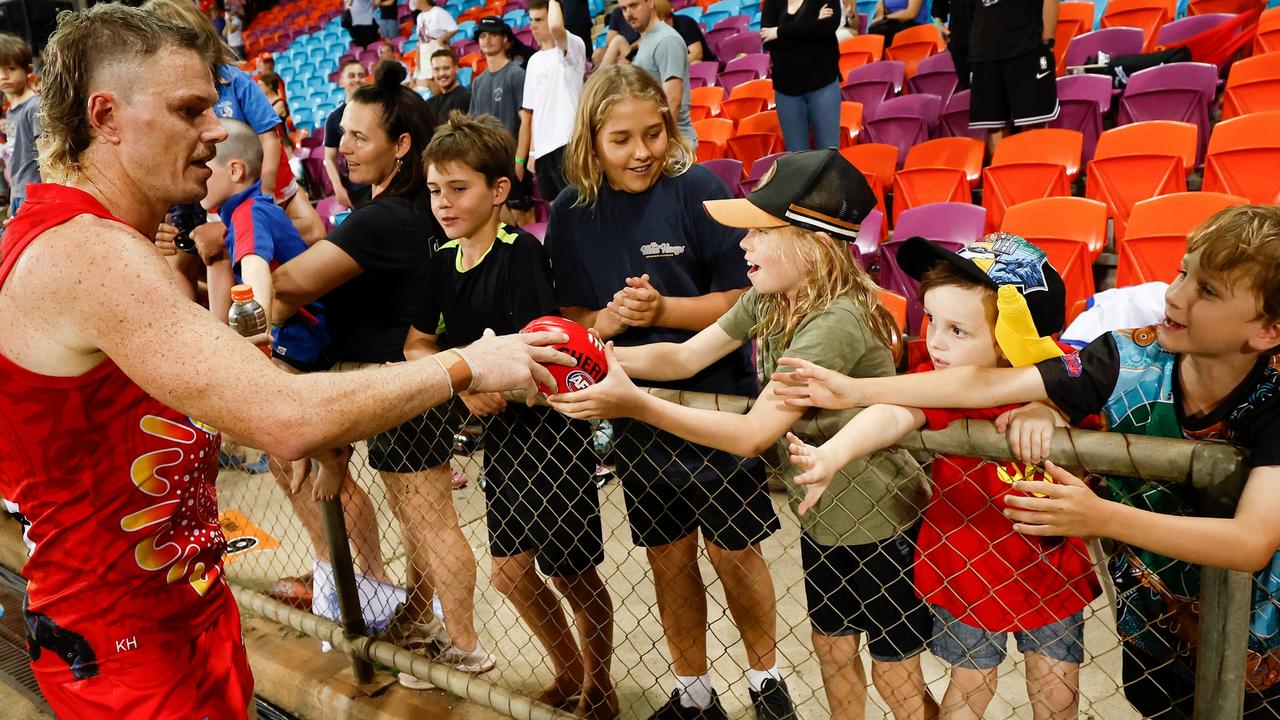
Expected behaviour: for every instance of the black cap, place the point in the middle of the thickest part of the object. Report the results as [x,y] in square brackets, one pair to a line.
[998,259]
[492,24]
[814,189]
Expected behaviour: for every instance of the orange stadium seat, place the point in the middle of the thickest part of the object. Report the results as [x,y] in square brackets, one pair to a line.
[1139,161]
[713,137]
[860,50]
[1243,155]
[1030,165]
[1157,237]
[761,88]
[1146,15]
[1063,227]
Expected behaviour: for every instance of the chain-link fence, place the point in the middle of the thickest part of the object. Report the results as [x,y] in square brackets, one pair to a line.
[417,539]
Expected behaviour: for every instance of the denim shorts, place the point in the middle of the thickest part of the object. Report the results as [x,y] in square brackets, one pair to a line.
[965,646]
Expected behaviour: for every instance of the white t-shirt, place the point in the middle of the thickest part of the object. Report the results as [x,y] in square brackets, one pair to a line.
[552,86]
[235,35]
[433,23]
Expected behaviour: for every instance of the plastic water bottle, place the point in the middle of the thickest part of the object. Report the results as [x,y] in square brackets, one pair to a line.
[246,317]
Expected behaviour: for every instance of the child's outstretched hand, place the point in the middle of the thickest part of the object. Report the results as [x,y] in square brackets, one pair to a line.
[1064,507]
[818,467]
[811,385]
[615,396]
[1030,430]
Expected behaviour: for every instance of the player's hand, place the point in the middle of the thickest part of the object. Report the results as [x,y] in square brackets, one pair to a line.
[333,471]
[638,304]
[1064,507]
[164,239]
[1030,430]
[615,396]
[514,362]
[210,240]
[811,385]
[818,470]
[481,404]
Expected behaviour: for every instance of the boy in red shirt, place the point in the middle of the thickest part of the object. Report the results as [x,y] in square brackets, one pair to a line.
[982,579]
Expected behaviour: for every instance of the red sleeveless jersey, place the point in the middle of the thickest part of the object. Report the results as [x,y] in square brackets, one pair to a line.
[116,491]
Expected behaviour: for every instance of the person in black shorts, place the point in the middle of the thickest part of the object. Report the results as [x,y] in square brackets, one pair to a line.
[540,492]
[1012,65]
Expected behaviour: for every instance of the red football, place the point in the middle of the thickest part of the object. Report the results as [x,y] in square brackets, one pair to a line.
[582,346]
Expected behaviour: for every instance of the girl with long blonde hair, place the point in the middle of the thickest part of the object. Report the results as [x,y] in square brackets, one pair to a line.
[808,299]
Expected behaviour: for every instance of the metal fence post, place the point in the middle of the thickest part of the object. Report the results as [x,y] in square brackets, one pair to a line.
[344,580]
[1225,598]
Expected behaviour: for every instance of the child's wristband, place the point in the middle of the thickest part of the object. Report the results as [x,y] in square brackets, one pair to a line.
[519,160]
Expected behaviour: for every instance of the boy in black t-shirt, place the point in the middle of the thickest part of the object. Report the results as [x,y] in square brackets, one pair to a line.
[540,491]
[1011,64]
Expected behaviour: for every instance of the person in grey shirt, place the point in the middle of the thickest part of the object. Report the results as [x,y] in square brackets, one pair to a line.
[23,118]
[499,91]
[664,55]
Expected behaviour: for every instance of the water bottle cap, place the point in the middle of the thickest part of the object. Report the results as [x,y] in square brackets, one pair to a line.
[241,293]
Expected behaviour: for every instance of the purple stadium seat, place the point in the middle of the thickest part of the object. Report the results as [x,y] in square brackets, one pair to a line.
[868,242]
[326,209]
[1177,91]
[702,74]
[537,229]
[1082,100]
[744,43]
[729,171]
[733,21]
[937,63]
[935,82]
[872,84]
[730,79]
[1179,30]
[955,118]
[757,62]
[903,122]
[951,225]
[719,34]
[1113,41]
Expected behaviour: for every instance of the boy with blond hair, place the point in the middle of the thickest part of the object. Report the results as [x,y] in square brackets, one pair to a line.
[1205,373]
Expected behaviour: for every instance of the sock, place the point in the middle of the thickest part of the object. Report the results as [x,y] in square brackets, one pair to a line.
[695,690]
[756,678]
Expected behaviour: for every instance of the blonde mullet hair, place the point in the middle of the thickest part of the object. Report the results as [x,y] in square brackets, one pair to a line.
[605,88]
[832,275]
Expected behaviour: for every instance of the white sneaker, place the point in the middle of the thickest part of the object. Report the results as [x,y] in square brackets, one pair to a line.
[474,662]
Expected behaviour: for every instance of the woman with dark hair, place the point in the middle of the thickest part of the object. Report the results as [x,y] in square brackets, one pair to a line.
[370,270]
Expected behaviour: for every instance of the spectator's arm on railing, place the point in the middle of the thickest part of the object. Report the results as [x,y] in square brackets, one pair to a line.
[1247,541]
[962,387]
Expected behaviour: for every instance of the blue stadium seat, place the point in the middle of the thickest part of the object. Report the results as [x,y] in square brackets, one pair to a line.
[711,17]
[464,76]
[692,11]
[466,30]
[517,19]
[727,6]
[596,7]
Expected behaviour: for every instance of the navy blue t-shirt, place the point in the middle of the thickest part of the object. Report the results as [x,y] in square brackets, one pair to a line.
[666,233]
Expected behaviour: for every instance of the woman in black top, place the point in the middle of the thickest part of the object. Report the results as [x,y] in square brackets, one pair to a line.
[371,271]
[800,35]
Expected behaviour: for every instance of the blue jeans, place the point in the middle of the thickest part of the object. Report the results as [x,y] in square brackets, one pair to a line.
[819,109]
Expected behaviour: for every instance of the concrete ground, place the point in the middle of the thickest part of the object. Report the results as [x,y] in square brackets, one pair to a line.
[640,665]
[17,706]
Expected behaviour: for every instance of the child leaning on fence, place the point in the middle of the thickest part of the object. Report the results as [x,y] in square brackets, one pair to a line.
[807,299]
[540,493]
[982,579]
[1205,373]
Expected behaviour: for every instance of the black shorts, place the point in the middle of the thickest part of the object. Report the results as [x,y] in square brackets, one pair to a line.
[539,470]
[674,488]
[550,174]
[851,589]
[423,442]
[520,198]
[1021,90]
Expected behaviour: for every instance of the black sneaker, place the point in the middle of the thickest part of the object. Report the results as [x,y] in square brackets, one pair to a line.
[773,702]
[673,710]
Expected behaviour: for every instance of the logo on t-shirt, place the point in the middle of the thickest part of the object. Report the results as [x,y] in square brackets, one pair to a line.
[661,250]
[1071,362]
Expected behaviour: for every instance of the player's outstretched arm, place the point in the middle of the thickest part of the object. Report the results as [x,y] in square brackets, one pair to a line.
[875,428]
[1246,541]
[810,385]
[745,435]
[118,297]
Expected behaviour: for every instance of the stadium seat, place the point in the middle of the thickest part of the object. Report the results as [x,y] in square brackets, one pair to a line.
[951,225]
[710,97]
[920,186]
[874,160]
[955,118]
[1243,155]
[1148,15]
[751,146]
[1182,29]
[936,75]
[1177,91]
[1082,101]
[914,44]
[1268,38]
[761,122]
[904,121]
[1138,161]
[1064,227]
[860,50]
[730,79]
[1250,85]
[1113,41]
[742,44]
[873,83]
[740,107]
[896,307]
[762,88]
[959,153]
[1157,237]
[702,74]
[850,122]
[868,242]
[729,171]
[1074,19]
[713,137]
[1027,166]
